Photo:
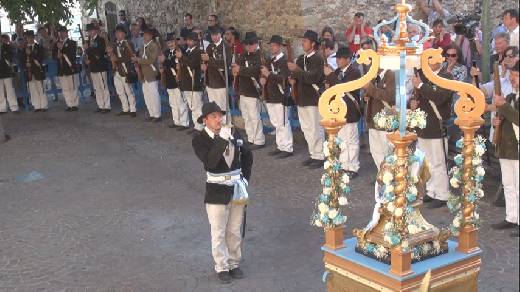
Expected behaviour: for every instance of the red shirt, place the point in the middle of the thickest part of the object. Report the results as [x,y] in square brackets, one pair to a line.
[238,48]
[355,44]
[436,43]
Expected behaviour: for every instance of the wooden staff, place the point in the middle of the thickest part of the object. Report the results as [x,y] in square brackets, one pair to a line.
[294,83]
[497,135]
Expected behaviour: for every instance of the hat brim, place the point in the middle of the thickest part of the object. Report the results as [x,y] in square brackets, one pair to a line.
[280,43]
[201,118]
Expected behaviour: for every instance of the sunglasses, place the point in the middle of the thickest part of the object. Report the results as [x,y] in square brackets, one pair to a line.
[511,56]
[451,55]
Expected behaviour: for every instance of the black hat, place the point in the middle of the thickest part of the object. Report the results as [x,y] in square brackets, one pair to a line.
[171,37]
[208,108]
[311,36]
[276,39]
[149,31]
[62,28]
[344,52]
[91,26]
[250,38]
[193,36]
[215,30]
[121,28]
[28,33]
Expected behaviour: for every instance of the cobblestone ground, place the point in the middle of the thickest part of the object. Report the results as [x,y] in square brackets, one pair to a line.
[117,206]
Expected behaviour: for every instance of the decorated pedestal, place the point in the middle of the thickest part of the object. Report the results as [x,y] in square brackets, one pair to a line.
[399,250]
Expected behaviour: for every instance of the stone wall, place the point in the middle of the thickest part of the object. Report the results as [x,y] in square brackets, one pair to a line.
[287,18]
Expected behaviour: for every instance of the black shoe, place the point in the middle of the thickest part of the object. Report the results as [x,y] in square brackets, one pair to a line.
[427,199]
[236,273]
[307,162]
[37,110]
[514,233]
[16,112]
[436,204]
[156,120]
[182,128]
[74,108]
[503,225]
[284,155]
[274,152]
[256,147]
[122,113]
[43,110]
[69,109]
[3,113]
[224,277]
[105,111]
[316,164]
[148,119]
[172,126]
[352,174]
[133,115]
[98,110]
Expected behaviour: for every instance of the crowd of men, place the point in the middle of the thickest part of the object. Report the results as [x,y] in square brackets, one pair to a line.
[215,64]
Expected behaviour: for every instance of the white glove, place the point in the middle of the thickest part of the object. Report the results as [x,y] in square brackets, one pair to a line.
[225,133]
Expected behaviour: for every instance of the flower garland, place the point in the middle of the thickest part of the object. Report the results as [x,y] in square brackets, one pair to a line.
[335,182]
[388,119]
[392,234]
[419,252]
[455,202]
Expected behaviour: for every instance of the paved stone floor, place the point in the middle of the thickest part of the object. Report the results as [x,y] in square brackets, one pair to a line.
[116,205]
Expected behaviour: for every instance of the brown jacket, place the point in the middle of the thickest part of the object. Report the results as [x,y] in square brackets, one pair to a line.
[508,147]
[148,61]
[442,99]
[124,56]
[190,63]
[309,77]
[379,90]
[249,69]
[277,80]
[215,74]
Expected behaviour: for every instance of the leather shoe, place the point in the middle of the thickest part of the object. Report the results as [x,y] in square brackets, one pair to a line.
[16,112]
[148,119]
[98,110]
[172,126]
[274,152]
[236,273]
[69,109]
[224,277]
[133,115]
[436,204]
[352,174]
[427,199]
[122,113]
[316,164]
[3,113]
[182,128]
[74,108]
[284,154]
[503,225]
[156,120]
[307,162]
[256,147]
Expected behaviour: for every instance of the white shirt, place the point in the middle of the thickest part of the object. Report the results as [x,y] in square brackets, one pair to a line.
[331,60]
[513,37]
[229,154]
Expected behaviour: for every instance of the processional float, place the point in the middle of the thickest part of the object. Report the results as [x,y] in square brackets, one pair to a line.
[399,247]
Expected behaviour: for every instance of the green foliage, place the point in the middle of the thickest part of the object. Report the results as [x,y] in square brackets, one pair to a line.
[46,10]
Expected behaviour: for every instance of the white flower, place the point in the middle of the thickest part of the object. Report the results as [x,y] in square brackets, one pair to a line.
[345,179]
[382,250]
[387,178]
[426,247]
[479,150]
[415,179]
[325,144]
[326,165]
[326,151]
[398,212]
[413,123]
[480,171]
[477,161]
[326,191]
[390,207]
[454,183]
[387,239]
[318,223]
[333,213]
[413,190]
[323,208]
[436,245]
[405,244]
[389,226]
[476,215]
[342,201]
[389,189]
[412,229]
[456,222]
[480,193]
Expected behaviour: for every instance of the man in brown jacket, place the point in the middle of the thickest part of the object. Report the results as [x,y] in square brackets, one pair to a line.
[148,64]
[308,73]
[248,72]
[436,102]
[508,109]
[124,72]
[379,94]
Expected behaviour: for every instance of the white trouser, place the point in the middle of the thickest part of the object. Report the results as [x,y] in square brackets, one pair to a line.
[226,222]
[379,145]
[310,123]
[99,80]
[438,187]
[284,136]
[7,85]
[194,100]
[125,93]
[250,108]
[69,90]
[510,179]
[152,98]
[219,96]
[38,96]
[349,156]
[179,107]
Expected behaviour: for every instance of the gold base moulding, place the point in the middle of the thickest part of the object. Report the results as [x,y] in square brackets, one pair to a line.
[348,271]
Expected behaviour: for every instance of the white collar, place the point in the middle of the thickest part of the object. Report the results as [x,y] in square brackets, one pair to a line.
[95,37]
[382,74]
[278,57]
[333,55]
[189,50]
[148,43]
[310,54]
[218,44]
[346,68]
[514,30]
[209,132]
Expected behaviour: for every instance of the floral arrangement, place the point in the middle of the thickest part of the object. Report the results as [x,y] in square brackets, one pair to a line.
[388,119]
[455,202]
[419,252]
[335,182]
[392,231]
